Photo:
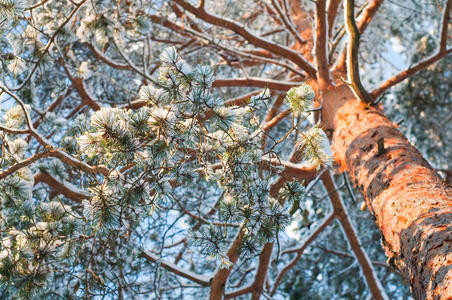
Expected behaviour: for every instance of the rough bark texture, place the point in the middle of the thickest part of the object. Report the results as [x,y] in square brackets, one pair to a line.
[412,206]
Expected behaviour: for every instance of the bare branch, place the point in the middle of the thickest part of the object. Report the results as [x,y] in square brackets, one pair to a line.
[321,45]
[199,279]
[287,22]
[251,38]
[444,26]
[241,53]
[352,53]
[362,22]
[13,130]
[22,164]
[374,262]
[64,188]
[340,211]
[256,82]
[300,249]
[409,72]
[442,52]
[107,60]
[333,9]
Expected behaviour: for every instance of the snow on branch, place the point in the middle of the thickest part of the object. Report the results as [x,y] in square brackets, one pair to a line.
[200,279]
[441,53]
[250,37]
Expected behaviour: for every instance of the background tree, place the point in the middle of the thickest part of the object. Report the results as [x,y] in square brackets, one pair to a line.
[177,180]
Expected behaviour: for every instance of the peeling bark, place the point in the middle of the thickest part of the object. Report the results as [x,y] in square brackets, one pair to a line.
[411,204]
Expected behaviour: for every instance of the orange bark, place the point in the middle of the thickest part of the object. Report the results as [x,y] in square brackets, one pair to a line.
[412,206]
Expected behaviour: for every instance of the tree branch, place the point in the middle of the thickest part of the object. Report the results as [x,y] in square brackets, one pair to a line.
[287,23]
[444,26]
[49,43]
[321,45]
[79,84]
[218,282]
[300,249]
[199,279]
[442,52]
[340,211]
[257,286]
[256,82]
[64,188]
[240,53]
[251,38]
[53,106]
[107,60]
[333,9]
[54,151]
[23,163]
[374,262]
[362,22]
[352,53]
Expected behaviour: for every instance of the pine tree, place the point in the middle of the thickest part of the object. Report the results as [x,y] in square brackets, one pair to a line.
[165,149]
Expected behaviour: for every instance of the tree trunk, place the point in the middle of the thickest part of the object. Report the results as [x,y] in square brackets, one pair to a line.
[411,204]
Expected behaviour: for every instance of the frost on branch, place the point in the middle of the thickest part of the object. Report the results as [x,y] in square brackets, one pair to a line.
[301,98]
[158,158]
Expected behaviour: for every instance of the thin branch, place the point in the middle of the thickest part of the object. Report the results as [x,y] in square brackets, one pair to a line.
[275,107]
[300,249]
[53,106]
[201,219]
[333,9]
[409,72]
[107,60]
[321,45]
[199,279]
[352,53]
[442,52]
[36,5]
[372,281]
[257,286]
[250,37]
[49,43]
[444,26]
[374,262]
[22,164]
[251,57]
[13,130]
[255,82]
[287,22]
[54,151]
